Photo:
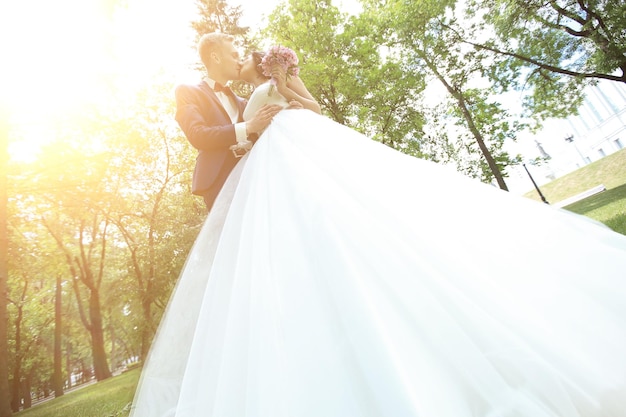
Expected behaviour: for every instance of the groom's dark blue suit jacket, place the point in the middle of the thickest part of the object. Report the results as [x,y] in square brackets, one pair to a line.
[209,129]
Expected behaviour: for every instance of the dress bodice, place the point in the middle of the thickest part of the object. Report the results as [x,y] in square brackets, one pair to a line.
[262,96]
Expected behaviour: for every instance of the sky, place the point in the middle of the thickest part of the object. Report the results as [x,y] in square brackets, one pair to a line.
[65,47]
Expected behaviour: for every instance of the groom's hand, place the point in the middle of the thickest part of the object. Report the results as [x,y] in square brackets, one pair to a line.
[262,119]
[295,104]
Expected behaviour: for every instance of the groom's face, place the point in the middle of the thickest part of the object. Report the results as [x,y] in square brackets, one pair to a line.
[230,62]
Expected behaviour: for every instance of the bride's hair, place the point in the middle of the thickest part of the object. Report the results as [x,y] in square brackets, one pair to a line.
[258,57]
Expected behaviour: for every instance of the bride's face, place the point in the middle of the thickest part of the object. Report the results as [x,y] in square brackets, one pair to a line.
[248,72]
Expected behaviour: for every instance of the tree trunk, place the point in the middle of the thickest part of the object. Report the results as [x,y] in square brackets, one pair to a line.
[146,330]
[17,370]
[26,394]
[100,364]
[57,377]
[5,398]
[113,357]
[467,115]
[68,364]
[493,166]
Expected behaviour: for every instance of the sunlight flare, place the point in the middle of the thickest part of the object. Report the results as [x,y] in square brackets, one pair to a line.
[72,55]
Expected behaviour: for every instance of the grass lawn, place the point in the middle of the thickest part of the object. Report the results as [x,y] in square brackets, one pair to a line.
[608,207]
[109,398]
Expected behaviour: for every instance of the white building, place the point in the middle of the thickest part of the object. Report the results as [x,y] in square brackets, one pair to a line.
[598,130]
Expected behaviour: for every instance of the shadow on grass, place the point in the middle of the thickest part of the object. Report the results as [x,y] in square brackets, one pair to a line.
[599,200]
[617,223]
[614,217]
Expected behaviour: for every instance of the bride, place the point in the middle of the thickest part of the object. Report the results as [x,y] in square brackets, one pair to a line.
[336,277]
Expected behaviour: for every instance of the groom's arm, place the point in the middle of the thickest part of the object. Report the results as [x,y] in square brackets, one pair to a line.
[205,128]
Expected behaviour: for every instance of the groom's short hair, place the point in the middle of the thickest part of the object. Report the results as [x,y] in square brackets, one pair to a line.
[210,42]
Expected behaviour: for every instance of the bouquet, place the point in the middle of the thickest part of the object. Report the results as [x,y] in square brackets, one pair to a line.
[282,56]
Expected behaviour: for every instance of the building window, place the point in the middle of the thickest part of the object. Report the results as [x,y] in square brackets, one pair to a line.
[618,143]
[601,152]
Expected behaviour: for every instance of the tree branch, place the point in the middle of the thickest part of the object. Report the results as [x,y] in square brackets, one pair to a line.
[551,68]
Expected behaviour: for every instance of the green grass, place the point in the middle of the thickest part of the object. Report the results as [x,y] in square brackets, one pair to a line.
[608,207]
[109,398]
[610,171]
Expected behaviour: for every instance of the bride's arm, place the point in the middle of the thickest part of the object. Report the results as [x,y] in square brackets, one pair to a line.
[294,89]
[302,95]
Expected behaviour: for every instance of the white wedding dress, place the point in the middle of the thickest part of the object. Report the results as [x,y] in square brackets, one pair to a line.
[336,277]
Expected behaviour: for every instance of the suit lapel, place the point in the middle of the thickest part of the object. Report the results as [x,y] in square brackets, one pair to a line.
[213,98]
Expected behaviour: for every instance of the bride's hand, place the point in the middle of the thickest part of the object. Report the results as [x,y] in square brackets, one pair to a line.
[280,76]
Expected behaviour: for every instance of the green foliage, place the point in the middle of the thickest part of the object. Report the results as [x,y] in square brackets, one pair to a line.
[156,218]
[346,70]
[584,36]
[30,293]
[218,16]
[496,127]
[418,33]
[128,168]
[107,207]
[310,28]
[551,49]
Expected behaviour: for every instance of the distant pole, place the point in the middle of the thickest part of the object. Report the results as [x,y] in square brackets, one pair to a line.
[535,184]
[570,139]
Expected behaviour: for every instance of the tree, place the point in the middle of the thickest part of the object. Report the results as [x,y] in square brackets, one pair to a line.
[29,297]
[57,378]
[19,303]
[85,259]
[551,49]
[311,28]
[218,16]
[335,50]
[78,200]
[154,165]
[5,401]
[414,31]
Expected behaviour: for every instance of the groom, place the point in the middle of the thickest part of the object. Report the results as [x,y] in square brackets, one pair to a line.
[211,116]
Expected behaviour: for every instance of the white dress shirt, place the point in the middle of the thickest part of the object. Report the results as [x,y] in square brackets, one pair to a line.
[233,111]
